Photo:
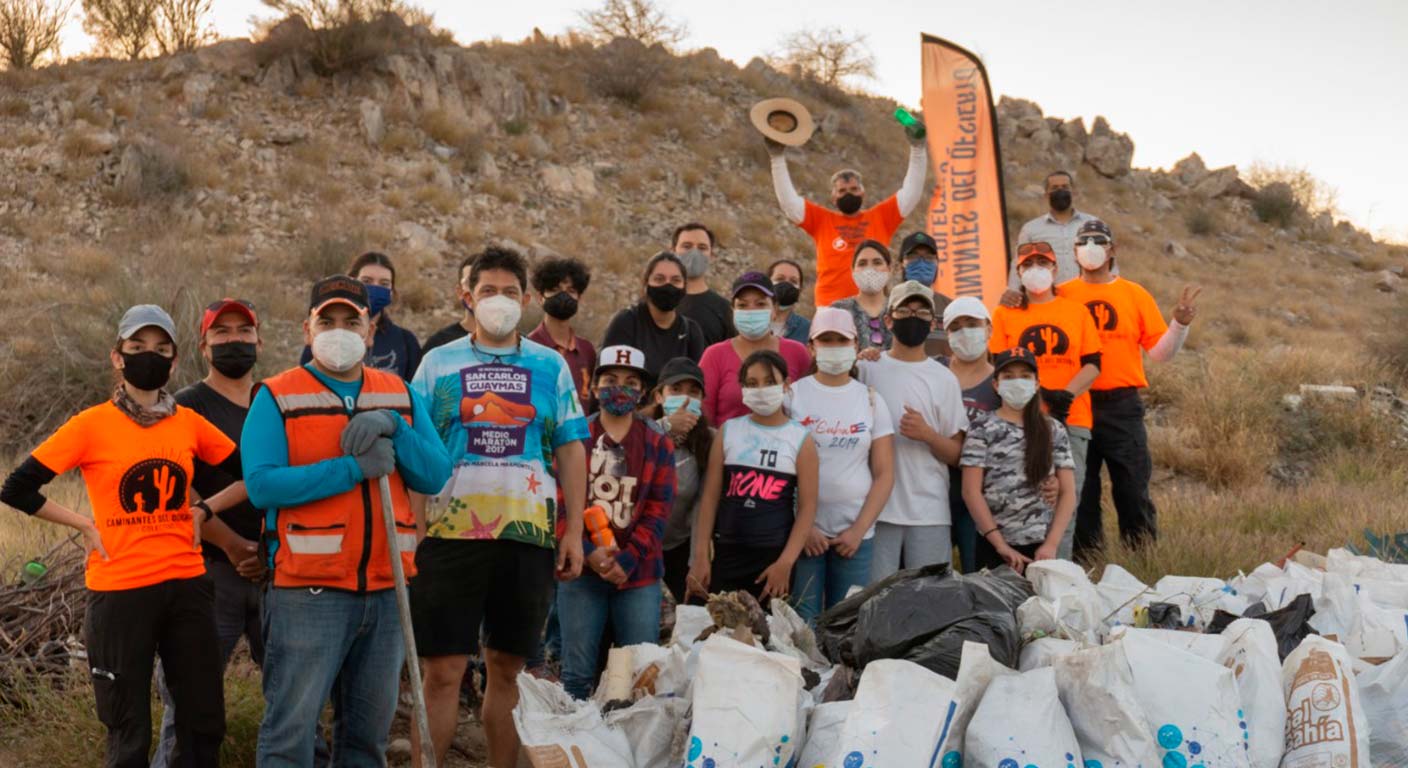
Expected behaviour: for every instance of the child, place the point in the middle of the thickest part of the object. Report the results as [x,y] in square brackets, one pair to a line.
[759,500]
[1005,459]
[679,406]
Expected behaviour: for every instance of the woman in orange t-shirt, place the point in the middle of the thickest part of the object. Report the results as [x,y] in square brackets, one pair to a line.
[1063,337]
[148,594]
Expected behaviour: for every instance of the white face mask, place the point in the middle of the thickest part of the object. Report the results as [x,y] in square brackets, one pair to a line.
[835,360]
[339,350]
[498,315]
[1016,393]
[1037,279]
[870,280]
[763,401]
[969,344]
[1091,256]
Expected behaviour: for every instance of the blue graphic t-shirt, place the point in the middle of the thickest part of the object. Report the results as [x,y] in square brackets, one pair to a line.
[501,414]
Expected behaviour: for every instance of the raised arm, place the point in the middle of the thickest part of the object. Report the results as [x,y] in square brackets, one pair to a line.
[791,203]
[912,188]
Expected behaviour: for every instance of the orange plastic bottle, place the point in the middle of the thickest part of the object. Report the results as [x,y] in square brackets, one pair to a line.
[599,526]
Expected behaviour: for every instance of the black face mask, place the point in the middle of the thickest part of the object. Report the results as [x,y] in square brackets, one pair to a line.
[786,294]
[147,371]
[1060,200]
[561,305]
[665,297]
[233,359]
[911,331]
[849,203]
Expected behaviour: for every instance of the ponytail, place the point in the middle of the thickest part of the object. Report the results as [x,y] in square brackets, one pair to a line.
[1037,431]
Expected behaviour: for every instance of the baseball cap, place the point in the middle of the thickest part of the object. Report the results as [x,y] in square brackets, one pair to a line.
[621,356]
[752,280]
[965,306]
[1011,357]
[681,369]
[919,239]
[222,306]
[910,289]
[142,315]
[1031,250]
[833,320]
[338,289]
[1095,227]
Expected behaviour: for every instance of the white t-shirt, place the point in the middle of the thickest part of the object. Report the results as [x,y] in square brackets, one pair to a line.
[921,481]
[842,424]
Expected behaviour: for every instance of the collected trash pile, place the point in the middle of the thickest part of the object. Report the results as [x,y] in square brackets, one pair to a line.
[1298,666]
[41,614]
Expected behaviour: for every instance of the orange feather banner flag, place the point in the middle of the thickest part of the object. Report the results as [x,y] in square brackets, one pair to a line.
[968,213]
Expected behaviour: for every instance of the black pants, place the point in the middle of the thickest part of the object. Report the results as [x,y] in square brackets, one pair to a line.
[677,570]
[1119,442]
[736,567]
[125,631]
[986,554]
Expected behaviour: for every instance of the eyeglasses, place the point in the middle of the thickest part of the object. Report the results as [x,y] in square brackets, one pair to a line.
[1039,249]
[1096,239]
[904,313]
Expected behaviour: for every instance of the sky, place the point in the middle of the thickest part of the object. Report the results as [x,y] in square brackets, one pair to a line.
[1284,82]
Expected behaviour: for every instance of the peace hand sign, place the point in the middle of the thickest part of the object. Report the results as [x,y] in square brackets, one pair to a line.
[1187,305]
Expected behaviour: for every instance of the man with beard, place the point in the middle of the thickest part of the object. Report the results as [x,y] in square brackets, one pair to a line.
[838,232]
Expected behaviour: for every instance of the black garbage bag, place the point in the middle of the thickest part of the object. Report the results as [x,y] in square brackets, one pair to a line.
[925,615]
[1165,616]
[1290,624]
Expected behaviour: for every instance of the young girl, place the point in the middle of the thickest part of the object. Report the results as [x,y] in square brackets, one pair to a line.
[148,593]
[853,433]
[759,500]
[752,318]
[870,269]
[1006,458]
[679,408]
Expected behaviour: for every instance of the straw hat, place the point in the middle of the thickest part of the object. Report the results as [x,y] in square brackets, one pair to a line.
[785,121]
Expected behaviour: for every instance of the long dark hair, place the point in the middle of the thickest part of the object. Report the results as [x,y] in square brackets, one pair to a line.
[874,245]
[1037,432]
[762,357]
[373,258]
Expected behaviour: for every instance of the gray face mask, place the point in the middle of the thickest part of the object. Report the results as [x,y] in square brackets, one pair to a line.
[696,264]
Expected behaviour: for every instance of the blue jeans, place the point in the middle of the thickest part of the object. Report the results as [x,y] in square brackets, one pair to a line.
[584,605]
[823,581]
[325,643]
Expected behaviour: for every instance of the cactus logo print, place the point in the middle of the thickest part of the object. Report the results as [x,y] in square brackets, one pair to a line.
[153,486]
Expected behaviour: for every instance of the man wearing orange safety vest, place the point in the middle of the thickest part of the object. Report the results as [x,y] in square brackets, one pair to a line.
[317,440]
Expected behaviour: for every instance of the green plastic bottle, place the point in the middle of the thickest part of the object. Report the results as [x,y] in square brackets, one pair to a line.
[912,126]
[33,572]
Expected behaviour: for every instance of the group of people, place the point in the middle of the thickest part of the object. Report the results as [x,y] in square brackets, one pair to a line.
[547,492]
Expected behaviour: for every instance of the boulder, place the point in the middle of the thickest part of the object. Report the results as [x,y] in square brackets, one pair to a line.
[373,122]
[1074,130]
[1016,109]
[1190,170]
[1108,152]
[196,92]
[575,182]
[419,239]
[1218,183]
[1387,281]
[1160,204]
[1030,124]
[1175,249]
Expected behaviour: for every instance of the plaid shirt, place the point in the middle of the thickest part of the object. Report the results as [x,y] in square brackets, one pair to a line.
[635,481]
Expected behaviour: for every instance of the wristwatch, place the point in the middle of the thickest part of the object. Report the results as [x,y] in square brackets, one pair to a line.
[209,513]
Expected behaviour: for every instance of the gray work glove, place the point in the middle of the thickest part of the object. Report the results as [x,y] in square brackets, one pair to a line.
[379,460]
[366,427]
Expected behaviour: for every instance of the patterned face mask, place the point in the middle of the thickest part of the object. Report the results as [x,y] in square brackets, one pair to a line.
[618,400]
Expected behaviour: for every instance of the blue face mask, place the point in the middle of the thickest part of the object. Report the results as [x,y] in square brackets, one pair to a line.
[378,298]
[675,402]
[752,324]
[922,270]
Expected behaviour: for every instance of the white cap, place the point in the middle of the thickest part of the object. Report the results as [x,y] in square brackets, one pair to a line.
[965,306]
[621,356]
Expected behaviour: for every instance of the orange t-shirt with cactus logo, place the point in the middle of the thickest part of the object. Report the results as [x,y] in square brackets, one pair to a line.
[1059,332]
[1129,322]
[139,486]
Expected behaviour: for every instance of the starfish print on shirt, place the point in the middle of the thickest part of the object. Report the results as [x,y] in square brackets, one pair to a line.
[481,530]
[534,483]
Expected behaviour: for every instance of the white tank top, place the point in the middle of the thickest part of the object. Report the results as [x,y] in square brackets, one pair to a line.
[759,497]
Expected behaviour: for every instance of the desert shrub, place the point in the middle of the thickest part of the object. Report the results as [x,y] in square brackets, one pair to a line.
[121,27]
[828,56]
[30,30]
[1276,204]
[152,171]
[1310,193]
[641,21]
[181,25]
[1201,222]
[341,35]
[626,70]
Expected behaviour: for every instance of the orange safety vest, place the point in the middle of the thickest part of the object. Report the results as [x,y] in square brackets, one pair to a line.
[340,541]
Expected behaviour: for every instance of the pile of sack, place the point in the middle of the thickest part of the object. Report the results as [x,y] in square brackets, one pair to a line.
[1297,666]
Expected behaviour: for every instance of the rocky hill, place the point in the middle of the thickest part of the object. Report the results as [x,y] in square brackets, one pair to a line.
[248,169]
